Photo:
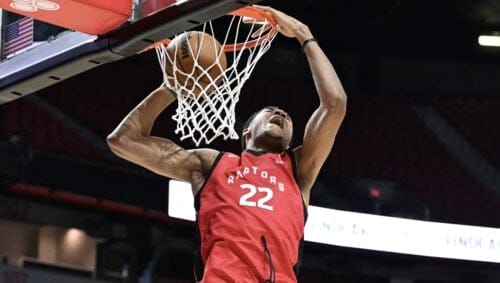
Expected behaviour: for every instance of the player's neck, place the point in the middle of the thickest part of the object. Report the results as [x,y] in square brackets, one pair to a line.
[266,149]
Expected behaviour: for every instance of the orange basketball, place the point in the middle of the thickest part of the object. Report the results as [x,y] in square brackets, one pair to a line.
[198,58]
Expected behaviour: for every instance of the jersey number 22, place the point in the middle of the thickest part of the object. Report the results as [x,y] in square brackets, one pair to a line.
[262,202]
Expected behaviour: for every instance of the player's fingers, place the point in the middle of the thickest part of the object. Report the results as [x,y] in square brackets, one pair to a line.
[270,10]
[273,12]
[258,33]
[247,20]
[279,16]
[261,30]
[283,20]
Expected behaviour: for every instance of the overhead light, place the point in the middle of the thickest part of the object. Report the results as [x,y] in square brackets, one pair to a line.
[489,40]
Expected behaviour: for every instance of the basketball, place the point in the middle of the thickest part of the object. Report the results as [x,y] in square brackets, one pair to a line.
[198,60]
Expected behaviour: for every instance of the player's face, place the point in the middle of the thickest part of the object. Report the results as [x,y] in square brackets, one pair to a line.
[273,127]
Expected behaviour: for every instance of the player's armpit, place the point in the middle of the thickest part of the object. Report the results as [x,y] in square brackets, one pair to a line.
[207,157]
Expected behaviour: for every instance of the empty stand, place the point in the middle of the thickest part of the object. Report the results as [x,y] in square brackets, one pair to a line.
[381,137]
[477,119]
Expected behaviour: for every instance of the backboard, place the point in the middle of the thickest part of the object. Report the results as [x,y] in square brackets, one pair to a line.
[72,52]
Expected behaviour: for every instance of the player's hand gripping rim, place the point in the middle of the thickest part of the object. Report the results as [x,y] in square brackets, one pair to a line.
[286,25]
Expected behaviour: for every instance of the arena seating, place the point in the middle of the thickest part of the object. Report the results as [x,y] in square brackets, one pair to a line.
[381,137]
[43,131]
[477,119]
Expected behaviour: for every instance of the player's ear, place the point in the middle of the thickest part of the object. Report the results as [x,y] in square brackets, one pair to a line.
[246,132]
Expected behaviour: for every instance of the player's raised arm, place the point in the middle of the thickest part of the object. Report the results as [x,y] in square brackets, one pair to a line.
[131,140]
[324,123]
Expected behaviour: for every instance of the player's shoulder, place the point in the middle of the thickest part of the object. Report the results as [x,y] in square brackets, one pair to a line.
[210,158]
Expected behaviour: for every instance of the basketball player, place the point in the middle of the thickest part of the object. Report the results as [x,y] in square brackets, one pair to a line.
[251,208]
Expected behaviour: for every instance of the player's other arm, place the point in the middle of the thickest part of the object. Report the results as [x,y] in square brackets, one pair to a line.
[131,140]
[324,123]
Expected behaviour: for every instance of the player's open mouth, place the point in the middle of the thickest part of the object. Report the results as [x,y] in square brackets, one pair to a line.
[277,120]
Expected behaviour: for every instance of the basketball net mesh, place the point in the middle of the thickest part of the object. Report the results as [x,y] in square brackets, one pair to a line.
[210,111]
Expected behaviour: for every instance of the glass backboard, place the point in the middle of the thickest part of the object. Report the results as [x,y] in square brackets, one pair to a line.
[70,52]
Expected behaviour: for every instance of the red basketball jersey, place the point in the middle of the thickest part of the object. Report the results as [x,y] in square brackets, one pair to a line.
[251,218]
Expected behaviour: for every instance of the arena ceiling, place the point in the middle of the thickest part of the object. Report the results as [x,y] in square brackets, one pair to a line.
[425,27]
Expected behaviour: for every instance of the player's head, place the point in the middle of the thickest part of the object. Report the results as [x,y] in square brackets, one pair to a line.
[270,128]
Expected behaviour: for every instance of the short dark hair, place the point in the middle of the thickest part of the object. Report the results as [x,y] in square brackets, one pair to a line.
[245,126]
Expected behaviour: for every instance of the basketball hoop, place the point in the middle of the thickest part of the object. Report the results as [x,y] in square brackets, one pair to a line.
[209,113]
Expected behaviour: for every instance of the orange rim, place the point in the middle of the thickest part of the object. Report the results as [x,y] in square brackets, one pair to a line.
[248,11]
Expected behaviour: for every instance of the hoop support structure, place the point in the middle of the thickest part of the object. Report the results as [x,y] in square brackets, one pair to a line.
[206,103]
[248,11]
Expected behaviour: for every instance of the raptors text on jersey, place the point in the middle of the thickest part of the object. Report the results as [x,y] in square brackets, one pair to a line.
[251,217]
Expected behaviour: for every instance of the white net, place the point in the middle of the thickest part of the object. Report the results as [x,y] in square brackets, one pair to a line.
[207,92]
